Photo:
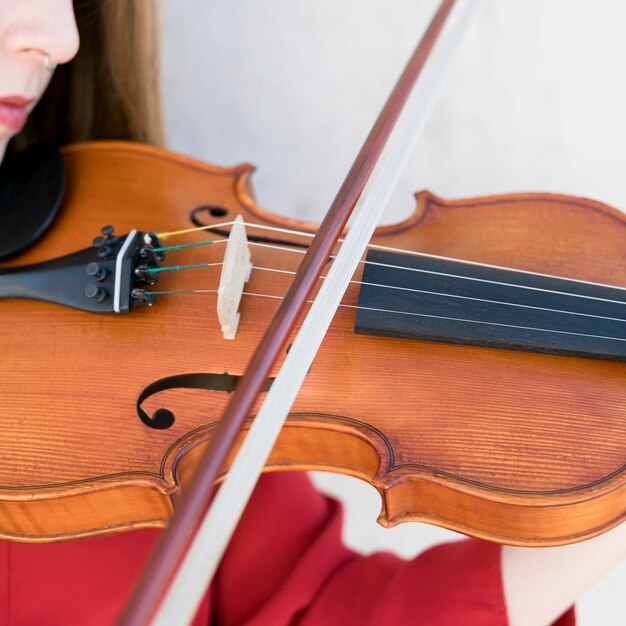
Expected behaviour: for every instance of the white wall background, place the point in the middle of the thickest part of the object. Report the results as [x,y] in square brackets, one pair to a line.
[536,101]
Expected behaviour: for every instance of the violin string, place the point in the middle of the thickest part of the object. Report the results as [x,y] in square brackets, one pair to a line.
[457,319]
[377,247]
[275,247]
[176,268]
[405,289]
[182,246]
[395,312]
[275,229]
[422,291]
[178,291]
[501,283]
[434,273]
[451,295]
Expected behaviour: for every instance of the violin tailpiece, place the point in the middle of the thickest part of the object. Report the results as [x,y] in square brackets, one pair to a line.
[105,278]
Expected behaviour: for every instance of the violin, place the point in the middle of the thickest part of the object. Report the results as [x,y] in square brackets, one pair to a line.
[106,415]
[472,373]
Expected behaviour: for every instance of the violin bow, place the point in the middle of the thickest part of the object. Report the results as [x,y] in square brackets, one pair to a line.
[189,551]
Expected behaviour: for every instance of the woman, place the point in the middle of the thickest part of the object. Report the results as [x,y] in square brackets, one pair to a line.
[272,573]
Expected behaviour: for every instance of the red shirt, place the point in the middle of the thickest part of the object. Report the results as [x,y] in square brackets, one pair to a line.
[285,565]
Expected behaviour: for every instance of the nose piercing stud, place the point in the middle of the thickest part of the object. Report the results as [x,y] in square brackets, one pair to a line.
[48,64]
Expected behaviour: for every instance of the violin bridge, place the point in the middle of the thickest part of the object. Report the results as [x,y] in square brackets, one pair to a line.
[235,273]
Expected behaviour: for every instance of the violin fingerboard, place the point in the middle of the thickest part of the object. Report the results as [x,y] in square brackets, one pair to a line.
[426,298]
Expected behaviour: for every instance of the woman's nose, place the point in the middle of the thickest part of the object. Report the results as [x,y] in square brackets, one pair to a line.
[36,28]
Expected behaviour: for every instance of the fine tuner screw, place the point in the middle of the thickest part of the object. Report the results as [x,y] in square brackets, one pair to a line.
[100,244]
[96,271]
[108,231]
[96,293]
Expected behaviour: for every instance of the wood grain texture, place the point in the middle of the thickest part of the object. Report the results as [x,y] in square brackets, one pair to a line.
[516,447]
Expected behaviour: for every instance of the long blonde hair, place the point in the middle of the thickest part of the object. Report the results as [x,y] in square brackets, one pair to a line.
[111,89]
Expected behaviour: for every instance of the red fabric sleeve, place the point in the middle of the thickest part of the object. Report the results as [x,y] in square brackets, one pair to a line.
[285,566]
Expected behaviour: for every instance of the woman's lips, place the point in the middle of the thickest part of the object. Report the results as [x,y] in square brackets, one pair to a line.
[14,112]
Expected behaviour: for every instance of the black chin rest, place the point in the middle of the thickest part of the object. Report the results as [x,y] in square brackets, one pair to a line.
[31,190]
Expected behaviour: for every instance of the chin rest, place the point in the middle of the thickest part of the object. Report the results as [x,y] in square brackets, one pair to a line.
[31,189]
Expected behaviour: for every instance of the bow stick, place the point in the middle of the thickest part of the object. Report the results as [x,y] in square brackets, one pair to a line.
[182,566]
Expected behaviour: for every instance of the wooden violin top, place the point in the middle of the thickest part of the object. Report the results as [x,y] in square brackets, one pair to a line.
[514,446]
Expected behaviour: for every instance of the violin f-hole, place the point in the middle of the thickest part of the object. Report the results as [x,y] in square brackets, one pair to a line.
[163,418]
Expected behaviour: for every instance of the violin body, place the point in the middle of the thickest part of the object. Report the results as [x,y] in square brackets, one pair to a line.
[515,447]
